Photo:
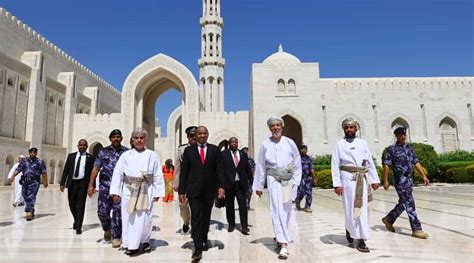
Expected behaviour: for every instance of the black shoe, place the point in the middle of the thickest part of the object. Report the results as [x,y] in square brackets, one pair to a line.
[231,228]
[146,247]
[197,255]
[245,231]
[185,228]
[362,247]
[78,231]
[132,252]
[348,237]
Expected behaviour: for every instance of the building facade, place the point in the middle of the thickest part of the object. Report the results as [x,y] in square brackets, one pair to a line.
[49,100]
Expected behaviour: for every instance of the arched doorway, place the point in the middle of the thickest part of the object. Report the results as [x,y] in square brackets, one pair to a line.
[293,130]
[57,180]
[52,171]
[146,83]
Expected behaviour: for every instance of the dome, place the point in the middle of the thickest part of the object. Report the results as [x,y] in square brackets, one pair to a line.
[281,57]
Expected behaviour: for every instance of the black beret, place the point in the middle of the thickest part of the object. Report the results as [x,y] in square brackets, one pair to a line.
[400,130]
[191,129]
[115,132]
[33,149]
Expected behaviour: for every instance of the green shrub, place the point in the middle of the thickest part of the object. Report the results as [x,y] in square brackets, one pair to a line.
[459,175]
[428,159]
[322,159]
[470,170]
[445,166]
[456,156]
[324,179]
[322,167]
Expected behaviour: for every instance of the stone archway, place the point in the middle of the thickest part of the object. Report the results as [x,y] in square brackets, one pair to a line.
[293,130]
[147,82]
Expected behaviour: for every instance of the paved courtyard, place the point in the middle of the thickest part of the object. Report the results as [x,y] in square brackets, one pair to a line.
[446,212]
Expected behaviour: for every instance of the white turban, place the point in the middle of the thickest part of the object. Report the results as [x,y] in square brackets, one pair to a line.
[350,121]
[275,119]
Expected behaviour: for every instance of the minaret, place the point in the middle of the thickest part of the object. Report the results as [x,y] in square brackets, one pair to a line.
[211,63]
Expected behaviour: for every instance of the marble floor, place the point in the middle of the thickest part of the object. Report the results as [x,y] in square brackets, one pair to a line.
[446,212]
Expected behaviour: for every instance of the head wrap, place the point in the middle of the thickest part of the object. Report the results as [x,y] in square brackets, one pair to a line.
[350,121]
[21,156]
[275,119]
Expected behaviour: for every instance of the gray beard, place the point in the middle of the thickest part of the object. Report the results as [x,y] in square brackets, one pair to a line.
[276,134]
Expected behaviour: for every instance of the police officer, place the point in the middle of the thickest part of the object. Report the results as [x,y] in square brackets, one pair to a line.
[105,163]
[184,208]
[305,189]
[401,158]
[32,168]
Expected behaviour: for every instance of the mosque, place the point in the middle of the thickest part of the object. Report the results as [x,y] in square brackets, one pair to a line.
[50,100]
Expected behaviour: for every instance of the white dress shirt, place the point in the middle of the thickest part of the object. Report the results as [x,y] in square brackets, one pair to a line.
[82,166]
[237,178]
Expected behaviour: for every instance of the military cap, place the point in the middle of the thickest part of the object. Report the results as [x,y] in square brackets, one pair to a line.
[400,130]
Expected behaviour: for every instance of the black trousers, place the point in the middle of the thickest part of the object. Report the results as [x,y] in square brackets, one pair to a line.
[230,194]
[201,208]
[77,194]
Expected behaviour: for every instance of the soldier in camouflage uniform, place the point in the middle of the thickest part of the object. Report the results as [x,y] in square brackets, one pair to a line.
[184,208]
[305,189]
[401,159]
[105,163]
[252,166]
[32,168]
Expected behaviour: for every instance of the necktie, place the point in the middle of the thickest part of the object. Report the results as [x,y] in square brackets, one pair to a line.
[236,160]
[201,154]
[76,172]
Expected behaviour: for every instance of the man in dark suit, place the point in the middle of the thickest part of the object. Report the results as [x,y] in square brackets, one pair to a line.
[76,174]
[237,172]
[201,179]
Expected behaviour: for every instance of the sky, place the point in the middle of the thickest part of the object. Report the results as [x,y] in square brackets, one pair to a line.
[349,38]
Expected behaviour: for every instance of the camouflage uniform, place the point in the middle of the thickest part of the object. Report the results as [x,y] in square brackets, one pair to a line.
[32,169]
[249,193]
[401,158]
[306,186]
[106,160]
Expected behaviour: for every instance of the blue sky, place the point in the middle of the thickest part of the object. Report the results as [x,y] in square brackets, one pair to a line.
[349,38]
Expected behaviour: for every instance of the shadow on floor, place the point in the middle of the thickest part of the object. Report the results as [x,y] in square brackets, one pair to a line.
[9,223]
[398,230]
[38,216]
[335,239]
[210,243]
[154,244]
[268,242]
[89,227]
[219,225]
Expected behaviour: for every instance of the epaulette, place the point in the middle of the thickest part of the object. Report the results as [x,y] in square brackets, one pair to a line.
[185,144]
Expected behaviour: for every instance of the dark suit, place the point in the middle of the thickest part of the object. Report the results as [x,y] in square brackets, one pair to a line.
[200,183]
[238,188]
[77,189]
